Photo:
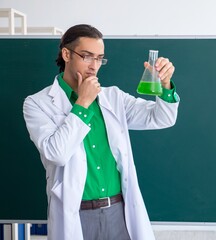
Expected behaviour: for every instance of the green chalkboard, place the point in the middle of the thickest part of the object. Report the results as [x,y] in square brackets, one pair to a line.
[176,166]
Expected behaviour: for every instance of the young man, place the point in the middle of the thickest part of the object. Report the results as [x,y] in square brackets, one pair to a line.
[81,132]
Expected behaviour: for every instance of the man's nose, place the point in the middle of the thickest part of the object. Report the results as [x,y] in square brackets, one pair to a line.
[94,64]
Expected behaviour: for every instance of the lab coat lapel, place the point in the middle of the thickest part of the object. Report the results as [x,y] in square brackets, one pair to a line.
[104,103]
[113,127]
[59,98]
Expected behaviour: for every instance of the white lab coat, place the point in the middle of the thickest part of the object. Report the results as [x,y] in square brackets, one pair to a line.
[58,135]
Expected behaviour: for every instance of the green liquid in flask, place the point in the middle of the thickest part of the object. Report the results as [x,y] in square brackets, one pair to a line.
[149,88]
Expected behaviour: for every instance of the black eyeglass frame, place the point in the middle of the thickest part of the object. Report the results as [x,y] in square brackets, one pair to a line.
[87,58]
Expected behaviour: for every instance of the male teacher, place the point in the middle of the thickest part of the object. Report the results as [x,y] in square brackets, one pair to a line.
[81,132]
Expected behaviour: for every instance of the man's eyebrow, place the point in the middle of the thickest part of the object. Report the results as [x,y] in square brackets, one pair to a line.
[90,53]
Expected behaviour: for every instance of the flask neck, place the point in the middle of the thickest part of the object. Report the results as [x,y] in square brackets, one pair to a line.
[153,56]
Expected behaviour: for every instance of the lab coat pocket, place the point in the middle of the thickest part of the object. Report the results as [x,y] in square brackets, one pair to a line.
[57,190]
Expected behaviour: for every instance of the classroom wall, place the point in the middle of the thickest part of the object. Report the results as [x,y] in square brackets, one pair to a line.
[123,17]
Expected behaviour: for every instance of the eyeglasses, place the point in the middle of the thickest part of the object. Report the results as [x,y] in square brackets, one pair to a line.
[89,59]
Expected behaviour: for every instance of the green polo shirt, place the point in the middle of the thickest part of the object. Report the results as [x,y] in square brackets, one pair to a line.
[103,178]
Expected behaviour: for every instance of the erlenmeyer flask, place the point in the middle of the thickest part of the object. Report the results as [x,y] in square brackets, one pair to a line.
[150,82]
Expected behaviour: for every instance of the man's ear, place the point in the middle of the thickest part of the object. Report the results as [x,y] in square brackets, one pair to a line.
[66,54]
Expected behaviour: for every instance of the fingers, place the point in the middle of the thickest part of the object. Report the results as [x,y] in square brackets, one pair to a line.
[165,68]
[93,80]
[146,64]
[79,78]
[98,85]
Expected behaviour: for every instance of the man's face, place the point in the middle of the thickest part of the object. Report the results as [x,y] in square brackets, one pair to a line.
[86,47]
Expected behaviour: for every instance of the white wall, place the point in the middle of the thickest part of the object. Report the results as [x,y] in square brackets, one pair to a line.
[123,17]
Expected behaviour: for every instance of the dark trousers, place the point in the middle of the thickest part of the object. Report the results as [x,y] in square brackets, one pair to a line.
[104,223]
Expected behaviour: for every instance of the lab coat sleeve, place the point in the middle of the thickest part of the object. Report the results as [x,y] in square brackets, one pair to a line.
[56,142]
[142,114]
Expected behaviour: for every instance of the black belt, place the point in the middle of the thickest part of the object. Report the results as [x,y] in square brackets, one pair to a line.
[101,203]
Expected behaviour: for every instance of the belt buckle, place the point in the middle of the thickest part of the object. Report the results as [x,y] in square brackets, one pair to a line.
[108,200]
